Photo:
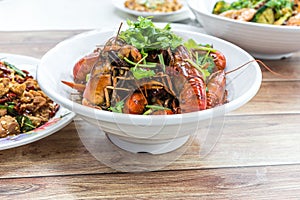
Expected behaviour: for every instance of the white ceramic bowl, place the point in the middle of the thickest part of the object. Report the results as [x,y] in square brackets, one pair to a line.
[260,40]
[138,132]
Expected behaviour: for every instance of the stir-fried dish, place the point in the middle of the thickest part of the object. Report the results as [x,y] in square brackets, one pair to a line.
[159,6]
[149,70]
[277,12]
[23,106]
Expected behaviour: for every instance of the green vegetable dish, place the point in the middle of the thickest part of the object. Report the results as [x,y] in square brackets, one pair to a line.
[23,106]
[276,12]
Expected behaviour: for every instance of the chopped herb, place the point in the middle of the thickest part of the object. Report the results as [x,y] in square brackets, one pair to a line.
[204,72]
[203,60]
[147,65]
[10,109]
[118,107]
[11,103]
[191,44]
[140,73]
[25,123]
[62,116]
[156,107]
[87,77]
[152,108]
[239,4]
[3,107]
[148,112]
[162,62]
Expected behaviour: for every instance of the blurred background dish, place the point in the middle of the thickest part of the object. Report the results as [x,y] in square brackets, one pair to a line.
[263,41]
[182,14]
[140,133]
[154,6]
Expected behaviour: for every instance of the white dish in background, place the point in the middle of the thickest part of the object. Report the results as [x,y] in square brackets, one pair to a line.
[260,40]
[178,15]
[141,132]
[60,120]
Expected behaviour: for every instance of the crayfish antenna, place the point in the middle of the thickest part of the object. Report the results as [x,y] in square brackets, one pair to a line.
[262,64]
[119,30]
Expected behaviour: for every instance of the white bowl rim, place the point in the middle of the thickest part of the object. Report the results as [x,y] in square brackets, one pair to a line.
[156,119]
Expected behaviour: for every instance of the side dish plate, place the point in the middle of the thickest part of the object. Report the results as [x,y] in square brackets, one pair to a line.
[60,120]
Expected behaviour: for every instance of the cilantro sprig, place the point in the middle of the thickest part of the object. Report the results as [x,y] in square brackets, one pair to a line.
[10,107]
[204,62]
[152,108]
[25,123]
[143,34]
[118,107]
[191,44]
[139,72]
[204,72]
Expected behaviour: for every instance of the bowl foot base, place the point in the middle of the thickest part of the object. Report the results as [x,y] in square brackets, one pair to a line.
[151,148]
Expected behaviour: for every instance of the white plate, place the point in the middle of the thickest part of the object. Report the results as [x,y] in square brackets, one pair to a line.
[60,120]
[179,15]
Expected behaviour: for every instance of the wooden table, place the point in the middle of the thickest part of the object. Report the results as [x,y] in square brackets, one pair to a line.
[256,157]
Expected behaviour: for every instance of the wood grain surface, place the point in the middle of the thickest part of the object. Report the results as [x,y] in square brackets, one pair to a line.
[256,156]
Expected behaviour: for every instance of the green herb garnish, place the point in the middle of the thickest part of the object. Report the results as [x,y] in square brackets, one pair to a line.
[244,4]
[204,72]
[143,34]
[202,59]
[191,44]
[162,62]
[118,107]
[146,65]
[140,73]
[10,107]
[152,108]
[206,60]
[25,123]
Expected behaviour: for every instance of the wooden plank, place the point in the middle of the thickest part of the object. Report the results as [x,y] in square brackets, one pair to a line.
[289,67]
[36,51]
[247,141]
[244,141]
[265,182]
[35,43]
[274,97]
